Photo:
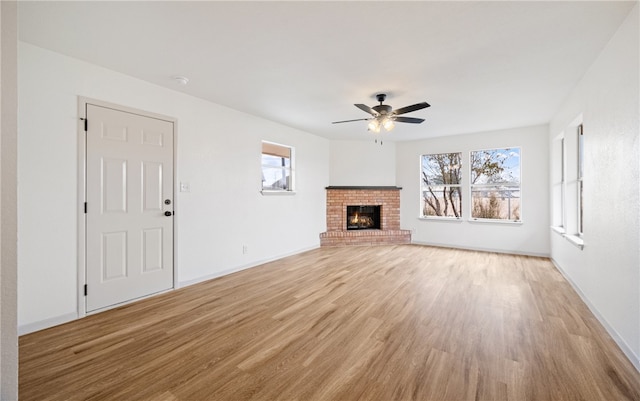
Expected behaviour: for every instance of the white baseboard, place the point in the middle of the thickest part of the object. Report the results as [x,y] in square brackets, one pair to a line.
[200,279]
[45,324]
[626,349]
[55,321]
[468,248]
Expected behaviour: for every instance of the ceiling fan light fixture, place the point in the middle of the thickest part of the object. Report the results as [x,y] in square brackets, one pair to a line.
[374,125]
[388,123]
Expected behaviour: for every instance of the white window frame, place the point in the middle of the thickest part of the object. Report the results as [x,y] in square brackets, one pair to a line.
[558,185]
[563,185]
[440,187]
[280,150]
[488,186]
[580,177]
[573,176]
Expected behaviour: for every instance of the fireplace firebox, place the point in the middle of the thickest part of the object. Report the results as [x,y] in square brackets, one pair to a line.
[363,217]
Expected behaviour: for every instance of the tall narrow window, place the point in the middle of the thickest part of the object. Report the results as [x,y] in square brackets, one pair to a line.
[580,177]
[573,181]
[277,167]
[562,184]
[495,184]
[441,177]
[558,184]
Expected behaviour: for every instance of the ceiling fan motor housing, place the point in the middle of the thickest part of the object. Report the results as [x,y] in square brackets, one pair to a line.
[382,109]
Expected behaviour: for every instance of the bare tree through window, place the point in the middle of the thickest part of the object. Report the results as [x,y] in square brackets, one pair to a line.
[495,184]
[441,180]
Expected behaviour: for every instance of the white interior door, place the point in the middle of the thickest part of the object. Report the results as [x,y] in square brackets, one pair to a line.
[129,214]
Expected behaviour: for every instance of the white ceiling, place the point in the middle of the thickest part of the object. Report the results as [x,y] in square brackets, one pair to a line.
[481,65]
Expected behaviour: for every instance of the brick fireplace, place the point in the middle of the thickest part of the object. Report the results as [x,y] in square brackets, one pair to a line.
[342,202]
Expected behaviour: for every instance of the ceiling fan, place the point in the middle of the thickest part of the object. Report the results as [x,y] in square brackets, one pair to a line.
[385,117]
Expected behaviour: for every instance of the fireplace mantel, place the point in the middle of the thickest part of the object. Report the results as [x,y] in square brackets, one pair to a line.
[387,198]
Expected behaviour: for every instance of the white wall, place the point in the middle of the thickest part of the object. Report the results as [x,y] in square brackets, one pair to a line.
[8,205]
[218,154]
[531,237]
[363,163]
[607,271]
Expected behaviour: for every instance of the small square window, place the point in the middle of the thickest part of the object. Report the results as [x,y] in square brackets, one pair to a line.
[277,167]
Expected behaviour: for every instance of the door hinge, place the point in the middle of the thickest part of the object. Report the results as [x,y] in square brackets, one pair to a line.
[85,124]
[85,290]
[85,208]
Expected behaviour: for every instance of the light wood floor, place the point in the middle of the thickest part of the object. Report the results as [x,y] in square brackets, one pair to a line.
[384,323]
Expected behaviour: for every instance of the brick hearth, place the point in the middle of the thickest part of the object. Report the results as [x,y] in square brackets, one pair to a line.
[388,198]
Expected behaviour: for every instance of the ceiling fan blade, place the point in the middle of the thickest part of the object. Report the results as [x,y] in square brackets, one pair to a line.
[413,107]
[367,109]
[410,120]
[348,121]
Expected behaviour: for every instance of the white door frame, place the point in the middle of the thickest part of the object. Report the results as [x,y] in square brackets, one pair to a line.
[82,196]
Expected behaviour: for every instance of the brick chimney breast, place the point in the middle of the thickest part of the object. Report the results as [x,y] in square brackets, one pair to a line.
[388,198]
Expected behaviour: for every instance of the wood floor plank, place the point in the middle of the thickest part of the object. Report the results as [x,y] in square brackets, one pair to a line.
[401,322]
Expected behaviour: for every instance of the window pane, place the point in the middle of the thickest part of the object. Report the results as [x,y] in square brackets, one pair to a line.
[558,205]
[580,211]
[277,167]
[562,160]
[496,202]
[441,169]
[580,178]
[495,184]
[276,178]
[580,152]
[442,201]
[440,183]
[496,166]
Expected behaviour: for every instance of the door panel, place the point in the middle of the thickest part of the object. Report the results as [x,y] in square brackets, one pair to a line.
[114,256]
[114,180]
[152,186]
[129,177]
[152,249]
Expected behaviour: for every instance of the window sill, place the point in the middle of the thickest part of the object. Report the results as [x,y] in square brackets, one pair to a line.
[575,240]
[558,230]
[277,193]
[496,221]
[435,218]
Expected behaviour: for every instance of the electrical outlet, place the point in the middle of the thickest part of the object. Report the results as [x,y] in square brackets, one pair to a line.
[245,249]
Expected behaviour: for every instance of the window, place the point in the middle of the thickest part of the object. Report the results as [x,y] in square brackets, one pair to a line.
[277,167]
[562,183]
[580,176]
[558,183]
[573,218]
[495,184]
[441,194]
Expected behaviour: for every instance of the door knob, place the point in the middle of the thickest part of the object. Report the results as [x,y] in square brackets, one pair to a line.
[167,213]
